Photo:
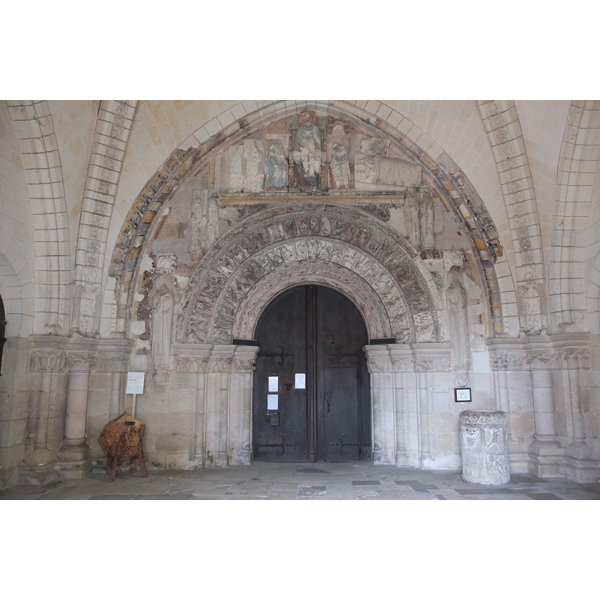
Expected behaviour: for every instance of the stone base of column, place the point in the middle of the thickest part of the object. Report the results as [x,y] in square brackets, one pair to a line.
[219,459]
[8,477]
[74,460]
[40,475]
[545,456]
[241,456]
[40,457]
[581,470]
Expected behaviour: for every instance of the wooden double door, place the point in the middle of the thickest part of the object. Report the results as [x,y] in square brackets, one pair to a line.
[311,384]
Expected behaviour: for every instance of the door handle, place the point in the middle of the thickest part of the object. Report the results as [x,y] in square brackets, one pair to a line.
[328,402]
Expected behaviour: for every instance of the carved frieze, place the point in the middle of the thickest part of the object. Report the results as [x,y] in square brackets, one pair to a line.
[432,363]
[81,361]
[281,238]
[107,363]
[508,360]
[48,360]
[192,364]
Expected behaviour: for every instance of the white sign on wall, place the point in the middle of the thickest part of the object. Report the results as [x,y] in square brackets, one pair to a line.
[135,383]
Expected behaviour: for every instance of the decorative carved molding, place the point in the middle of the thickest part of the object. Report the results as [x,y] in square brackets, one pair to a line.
[508,360]
[432,363]
[112,363]
[281,238]
[192,364]
[48,360]
[81,361]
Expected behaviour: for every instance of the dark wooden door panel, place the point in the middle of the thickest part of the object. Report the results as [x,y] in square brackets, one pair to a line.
[281,434]
[317,332]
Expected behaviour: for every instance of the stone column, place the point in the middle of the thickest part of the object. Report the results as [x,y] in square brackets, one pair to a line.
[545,451]
[484,447]
[432,362]
[240,405]
[74,454]
[575,359]
[191,369]
[48,360]
[406,410]
[383,404]
[217,405]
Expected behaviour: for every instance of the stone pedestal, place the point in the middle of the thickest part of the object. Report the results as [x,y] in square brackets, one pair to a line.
[484,447]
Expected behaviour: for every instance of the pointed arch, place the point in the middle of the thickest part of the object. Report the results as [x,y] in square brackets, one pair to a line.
[575,215]
[440,172]
[110,142]
[43,171]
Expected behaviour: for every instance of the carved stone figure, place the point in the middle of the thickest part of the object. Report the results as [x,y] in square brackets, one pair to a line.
[426,220]
[456,299]
[374,170]
[255,168]
[277,167]
[161,336]
[340,167]
[204,220]
[307,151]
[530,306]
[411,217]
[236,169]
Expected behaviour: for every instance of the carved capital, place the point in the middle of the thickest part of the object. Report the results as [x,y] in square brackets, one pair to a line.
[192,364]
[575,357]
[47,360]
[81,361]
[541,359]
[112,363]
[508,360]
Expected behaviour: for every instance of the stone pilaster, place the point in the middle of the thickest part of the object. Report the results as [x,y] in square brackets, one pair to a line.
[48,364]
[223,377]
[74,453]
[240,405]
[383,401]
[191,371]
[523,367]
[573,358]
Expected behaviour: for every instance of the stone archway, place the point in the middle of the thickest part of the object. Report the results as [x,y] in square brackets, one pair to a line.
[306,244]
[229,243]
[310,243]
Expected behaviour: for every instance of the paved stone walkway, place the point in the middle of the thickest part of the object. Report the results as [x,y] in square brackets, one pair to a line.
[322,481]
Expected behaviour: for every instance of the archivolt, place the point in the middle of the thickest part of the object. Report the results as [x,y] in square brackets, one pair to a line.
[440,173]
[325,244]
[576,211]
[43,171]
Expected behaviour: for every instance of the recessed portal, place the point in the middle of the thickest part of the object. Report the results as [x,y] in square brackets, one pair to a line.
[311,384]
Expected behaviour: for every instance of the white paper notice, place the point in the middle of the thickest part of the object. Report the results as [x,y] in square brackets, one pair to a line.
[135,383]
[272,402]
[273,384]
[300,381]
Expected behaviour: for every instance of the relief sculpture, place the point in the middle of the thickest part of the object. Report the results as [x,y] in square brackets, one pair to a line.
[204,220]
[307,151]
[374,170]
[277,167]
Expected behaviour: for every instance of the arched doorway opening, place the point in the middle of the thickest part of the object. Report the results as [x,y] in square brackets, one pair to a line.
[311,384]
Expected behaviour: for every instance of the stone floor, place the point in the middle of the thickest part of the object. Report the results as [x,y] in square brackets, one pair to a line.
[322,481]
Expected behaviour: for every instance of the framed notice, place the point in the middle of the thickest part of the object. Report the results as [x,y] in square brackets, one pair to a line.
[462,394]
[135,383]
